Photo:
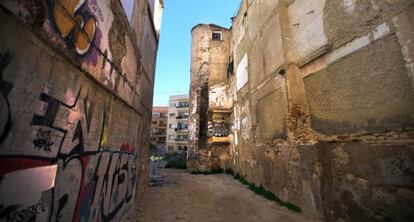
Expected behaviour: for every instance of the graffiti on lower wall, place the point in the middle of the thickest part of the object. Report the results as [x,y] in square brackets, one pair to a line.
[87,187]
[217,130]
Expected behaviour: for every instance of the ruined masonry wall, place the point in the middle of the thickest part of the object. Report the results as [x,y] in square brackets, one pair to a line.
[323,108]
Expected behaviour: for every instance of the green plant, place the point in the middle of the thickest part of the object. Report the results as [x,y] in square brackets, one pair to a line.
[173,164]
[216,170]
[229,171]
[266,194]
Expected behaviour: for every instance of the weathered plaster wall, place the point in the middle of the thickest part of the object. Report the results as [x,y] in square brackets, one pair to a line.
[322,95]
[363,96]
[75,110]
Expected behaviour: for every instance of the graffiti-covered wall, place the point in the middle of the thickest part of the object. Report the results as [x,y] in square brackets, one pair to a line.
[75,108]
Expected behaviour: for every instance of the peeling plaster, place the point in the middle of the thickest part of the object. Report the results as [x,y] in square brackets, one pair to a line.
[349,6]
[219,98]
[242,75]
[306,22]
[405,32]
[349,48]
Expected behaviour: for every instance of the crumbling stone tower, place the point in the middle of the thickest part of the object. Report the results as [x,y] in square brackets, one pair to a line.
[208,122]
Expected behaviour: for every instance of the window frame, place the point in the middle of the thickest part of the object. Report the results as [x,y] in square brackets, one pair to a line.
[220,33]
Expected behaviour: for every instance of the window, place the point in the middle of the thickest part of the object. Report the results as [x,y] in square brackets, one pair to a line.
[216,35]
[172,126]
[182,126]
[172,105]
[230,68]
[172,115]
[183,104]
[182,138]
[182,115]
[171,137]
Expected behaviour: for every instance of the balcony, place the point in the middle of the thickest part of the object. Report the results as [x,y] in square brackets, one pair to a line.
[181,129]
[182,106]
[182,117]
[181,139]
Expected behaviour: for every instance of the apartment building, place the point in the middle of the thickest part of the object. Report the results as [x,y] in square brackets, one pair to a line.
[159,128]
[177,131]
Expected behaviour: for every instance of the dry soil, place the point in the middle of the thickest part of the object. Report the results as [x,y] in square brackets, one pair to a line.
[177,195]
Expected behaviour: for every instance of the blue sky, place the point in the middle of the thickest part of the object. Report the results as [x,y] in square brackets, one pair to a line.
[173,61]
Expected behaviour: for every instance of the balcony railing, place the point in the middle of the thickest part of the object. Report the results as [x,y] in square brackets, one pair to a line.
[181,129]
[181,139]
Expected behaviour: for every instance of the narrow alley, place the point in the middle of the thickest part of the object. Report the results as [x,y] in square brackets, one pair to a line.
[177,195]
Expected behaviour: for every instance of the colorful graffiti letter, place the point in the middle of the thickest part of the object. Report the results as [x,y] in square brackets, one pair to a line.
[74,23]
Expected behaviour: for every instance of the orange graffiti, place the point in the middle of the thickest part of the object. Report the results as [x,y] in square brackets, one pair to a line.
[68,20]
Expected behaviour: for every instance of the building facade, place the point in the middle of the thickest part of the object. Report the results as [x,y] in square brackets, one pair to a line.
[159,129]
[76,88]
[313,100]
[177,131]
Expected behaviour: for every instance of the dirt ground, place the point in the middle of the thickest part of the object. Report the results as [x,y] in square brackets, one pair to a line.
[176,195]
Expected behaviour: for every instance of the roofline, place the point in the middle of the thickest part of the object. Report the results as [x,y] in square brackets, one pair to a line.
[211,25]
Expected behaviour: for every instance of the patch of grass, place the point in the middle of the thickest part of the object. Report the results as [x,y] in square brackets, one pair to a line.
[173,164]
[266,194]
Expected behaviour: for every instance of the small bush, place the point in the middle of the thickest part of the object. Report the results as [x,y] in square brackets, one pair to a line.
[229,171]
[173,164]
[176,161]
[217,171]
